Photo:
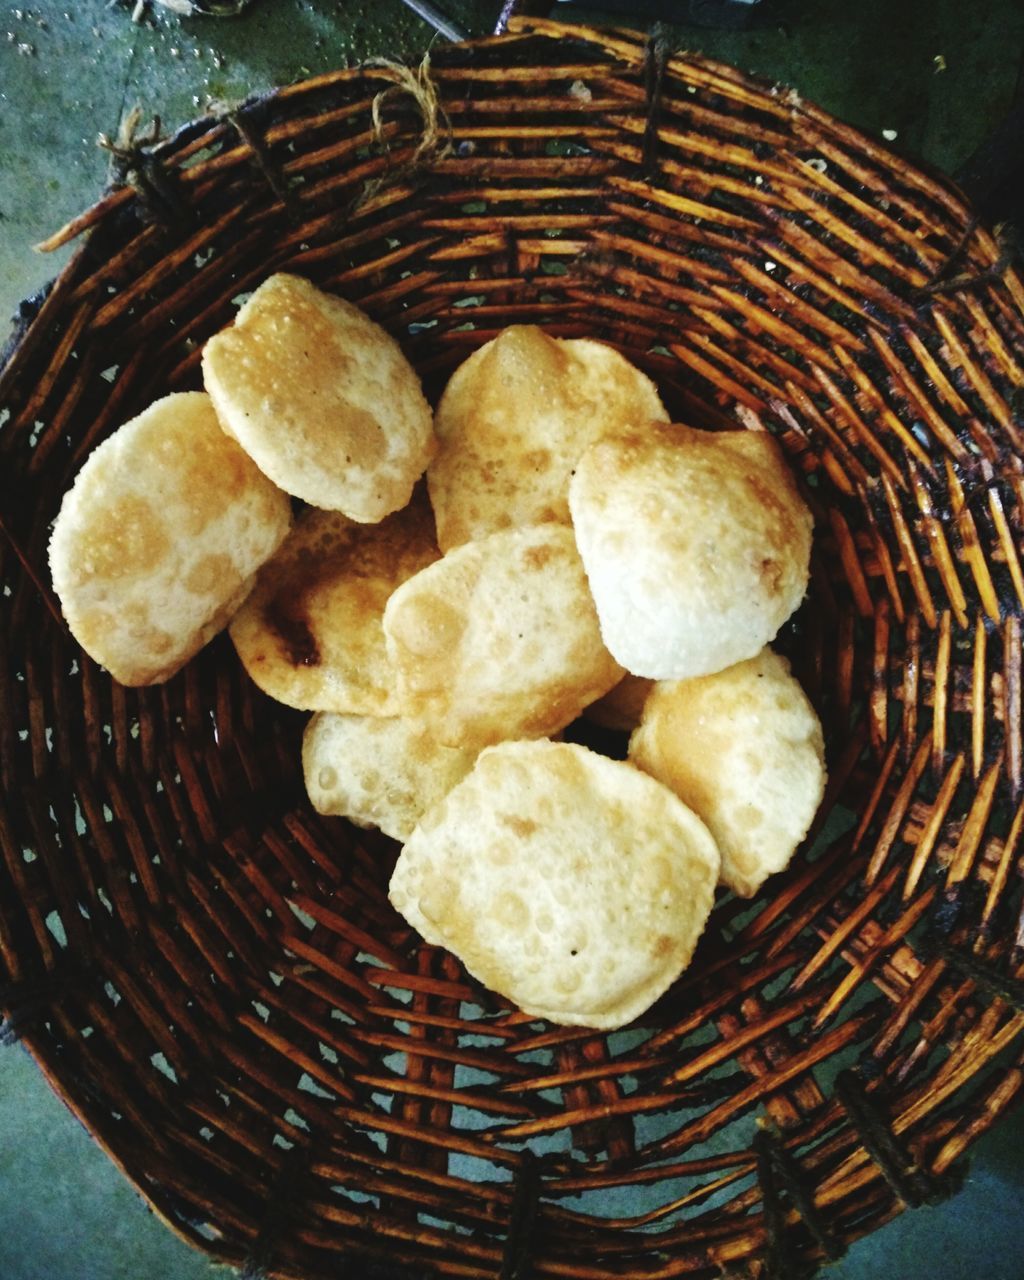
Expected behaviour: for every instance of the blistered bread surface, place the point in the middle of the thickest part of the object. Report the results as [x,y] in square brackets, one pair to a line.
[498,639]
[378,772]
[322,398]
[573,885]
[697,546]
[156,543]
[513,421]
[743,748]
[311,634]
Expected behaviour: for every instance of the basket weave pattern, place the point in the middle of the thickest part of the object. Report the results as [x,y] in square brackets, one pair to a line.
[210,973]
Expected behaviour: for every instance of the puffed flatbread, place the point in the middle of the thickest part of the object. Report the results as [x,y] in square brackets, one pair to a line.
[697,546]
[378,772]
[322,398]
[157,542]
[743,748]
[513,421]
[573,885]
[310,634]
[498,639]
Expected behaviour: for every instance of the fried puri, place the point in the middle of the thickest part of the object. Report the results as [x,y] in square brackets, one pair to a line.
[743,748]
[696,544]
[310,635]
[513,421]
[322,399]
[498,639]
[573,885]
[156,543]
[622,706]
[378,772]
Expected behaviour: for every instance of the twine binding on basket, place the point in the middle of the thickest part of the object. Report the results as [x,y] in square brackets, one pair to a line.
[247,120]
[655,62]
[516,1264]
[983,975]
[436,135]
[133,164]
[777,1172]
[283,1195]
[943,282]
[914,1186]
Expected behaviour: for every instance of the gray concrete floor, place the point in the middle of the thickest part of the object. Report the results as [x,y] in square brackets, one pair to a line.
[938,72]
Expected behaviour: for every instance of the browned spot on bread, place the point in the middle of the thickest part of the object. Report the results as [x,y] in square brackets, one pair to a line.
[537,557]
[289,621]
[520,826]
[214,472]
[123,541]
[771,574]
[364,443]
[310,633]
[211,573]
[429,626]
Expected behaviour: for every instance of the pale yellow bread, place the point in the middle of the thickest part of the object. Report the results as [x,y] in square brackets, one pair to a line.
[157,541]
[513,421]
[322,398]
[310,634]
[743,748]
[378,772]
[499,639]
[622,706]
[697,546]
[571,884]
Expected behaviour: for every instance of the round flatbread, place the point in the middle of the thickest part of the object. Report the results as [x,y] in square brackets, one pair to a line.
[322,398]
[573,885]
[513,421]
[744,749]
[310,634]
[157,542]
[499,639]
[378,772]
[696,544]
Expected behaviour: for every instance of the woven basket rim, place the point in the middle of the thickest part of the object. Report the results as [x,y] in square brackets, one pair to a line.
[877,1112]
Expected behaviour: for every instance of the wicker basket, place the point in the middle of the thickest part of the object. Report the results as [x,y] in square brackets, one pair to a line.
[209,973]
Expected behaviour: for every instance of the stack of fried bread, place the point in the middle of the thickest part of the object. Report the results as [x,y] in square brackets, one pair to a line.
[571,553]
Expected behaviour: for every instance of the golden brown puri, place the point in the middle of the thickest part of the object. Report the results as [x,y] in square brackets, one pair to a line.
[378,772]
[743,748]
[573,885]
[310,635]
[498,639]
[622,706]
[322,398]
[156,543]
[697,546]
[513,421]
